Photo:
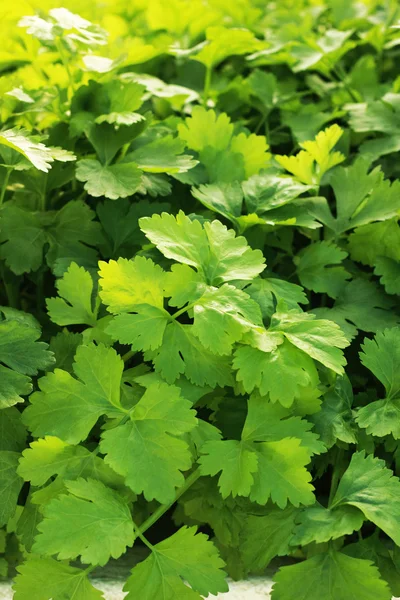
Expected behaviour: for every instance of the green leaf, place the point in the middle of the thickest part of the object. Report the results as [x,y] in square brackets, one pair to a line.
[147,450]
[270,190]
[319,338]
[51,456]
[370,242]
[74,304]
[112,181]
[143,330]
[371,487]
[374,116]
[10,485]
[68,407]
[107,139]
[32,149]
[389,272]
[385,558]
[68,232]
[44,458]
[362,197]
[319,268]
[128,283]
[319,524]
[334,421]
[360,305]
[347,578]
[268,291]
[282,475]
[21,355]
[266,536]
[264,86]
[205,129]
[266,462]
[182,353]
[226,157]
[382,357]
[28,520]
[236,462]
[224,42]
[64,346]
[225,199]
[20,350]
[182,557]
[268,422]
[121,101]
[163,155]
[280,373]
[120,223]
[92,521]
[316,158]
[212,249]
[221,317]
[42,578]
[12,431]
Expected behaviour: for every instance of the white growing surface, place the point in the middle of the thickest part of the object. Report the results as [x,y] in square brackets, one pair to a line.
[256,589]
[239,590]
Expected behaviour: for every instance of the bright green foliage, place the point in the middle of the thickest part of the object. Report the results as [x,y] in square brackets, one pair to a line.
[268,461]
[212,249]
[288,347]
[113,181]
[51,456]
[319,524]
[319,268]
[333,576]
[223,42]
[310,164]
[184,556]
[267,536]
[74,306]
[32,149]
[43,578]
[199,282]
[382,357]
[77,402]
[21,355]
[10,484]
[362,197]
[92,521]
[371,487]
[66,235]
[147,450]
[163,155]
[334,420]
[361,305]
[225,157]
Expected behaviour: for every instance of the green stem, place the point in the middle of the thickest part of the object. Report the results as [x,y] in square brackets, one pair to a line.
[207,84]
[182,310]
[128,355]
[262,121]
[5,184]
[140,535]
[161,510]
[90,569]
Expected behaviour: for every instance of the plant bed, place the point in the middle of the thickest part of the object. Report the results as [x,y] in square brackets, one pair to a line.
[200,280]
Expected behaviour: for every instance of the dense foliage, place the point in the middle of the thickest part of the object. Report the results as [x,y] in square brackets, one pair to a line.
[200,264]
